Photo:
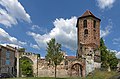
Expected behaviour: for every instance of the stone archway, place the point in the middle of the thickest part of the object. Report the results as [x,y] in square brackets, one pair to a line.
[24,57]
[26,62]
[77,68]
[33,59]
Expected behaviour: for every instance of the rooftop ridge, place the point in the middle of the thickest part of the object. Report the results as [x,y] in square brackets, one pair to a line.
[88,13]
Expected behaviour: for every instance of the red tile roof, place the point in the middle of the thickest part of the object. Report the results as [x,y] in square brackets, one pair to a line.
[70,57]
[87,14]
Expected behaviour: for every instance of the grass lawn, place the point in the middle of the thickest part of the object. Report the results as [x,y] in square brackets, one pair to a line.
[96,75]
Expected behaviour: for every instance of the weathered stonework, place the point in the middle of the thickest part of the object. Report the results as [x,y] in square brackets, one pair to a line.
[118,65]
[86,60]
[88,31]
[7,60]
[33,58]
[88,55]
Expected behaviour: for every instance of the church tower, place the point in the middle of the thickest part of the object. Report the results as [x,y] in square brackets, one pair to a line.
[88,32]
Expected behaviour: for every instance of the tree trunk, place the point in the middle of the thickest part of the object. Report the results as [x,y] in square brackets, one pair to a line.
[55,71]
[109,69]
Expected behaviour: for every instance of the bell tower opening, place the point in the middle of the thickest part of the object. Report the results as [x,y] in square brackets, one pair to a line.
[94,24]
[86,32]
[85,23]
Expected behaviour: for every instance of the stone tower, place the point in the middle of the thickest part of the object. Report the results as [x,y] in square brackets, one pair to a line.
[88,29]
[88,32]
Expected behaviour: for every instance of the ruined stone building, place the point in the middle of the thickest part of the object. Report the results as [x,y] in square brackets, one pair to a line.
[7,60]
[86,60]
[88,31]
[88,55]
[33,58]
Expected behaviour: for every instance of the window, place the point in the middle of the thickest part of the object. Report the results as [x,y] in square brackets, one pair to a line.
[8,54]
[7,58]
[85,32]
[85,23]
[94,24]
[94,34]
[7,62]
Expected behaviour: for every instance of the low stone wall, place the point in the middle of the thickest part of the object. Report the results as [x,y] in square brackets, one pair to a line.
[51,73]
[97,65]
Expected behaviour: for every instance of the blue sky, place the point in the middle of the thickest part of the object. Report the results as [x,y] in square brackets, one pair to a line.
[30,24]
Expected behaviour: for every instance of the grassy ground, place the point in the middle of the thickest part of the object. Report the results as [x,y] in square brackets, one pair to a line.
[102,75]
[96,75]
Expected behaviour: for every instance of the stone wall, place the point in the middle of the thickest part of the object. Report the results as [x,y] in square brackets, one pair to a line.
[7,67]
[41,68]
[51,73]
[45,70]
[34,59]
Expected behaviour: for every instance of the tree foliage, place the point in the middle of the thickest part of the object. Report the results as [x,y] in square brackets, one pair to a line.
[26,67]
[38,55]
[108,58]
[21,50]
[54,55]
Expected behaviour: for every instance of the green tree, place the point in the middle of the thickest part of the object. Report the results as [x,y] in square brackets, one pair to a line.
[104,53]
[38,55]
[108,58]
[26,67]
[21,50]
[112,60]
[54,55]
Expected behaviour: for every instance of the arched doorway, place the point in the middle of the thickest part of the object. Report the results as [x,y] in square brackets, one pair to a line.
[26,67]
[26,58]
[76,70]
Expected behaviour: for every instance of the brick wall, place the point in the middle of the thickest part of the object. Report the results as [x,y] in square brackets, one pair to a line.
[7,68]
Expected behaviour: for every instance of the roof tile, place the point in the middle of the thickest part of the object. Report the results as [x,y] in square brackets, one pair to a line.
[87,14]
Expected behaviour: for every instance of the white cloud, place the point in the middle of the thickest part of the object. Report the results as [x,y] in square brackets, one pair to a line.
[6,38]
[113,50]
[116,41]
[35,27]
[118,54]
[38,28]
[107,30]
[34,46]
[105,3]
[12,12]
[42,57]
[13,45]
[64,31]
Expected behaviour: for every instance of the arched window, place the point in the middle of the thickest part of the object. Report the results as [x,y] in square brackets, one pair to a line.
[94,34]
[85,23]
[94,24]
[85,32]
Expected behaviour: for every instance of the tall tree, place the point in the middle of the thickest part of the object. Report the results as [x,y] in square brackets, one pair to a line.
[21,50]
[54,55]
[104,53]
[108,58]
[112,60]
